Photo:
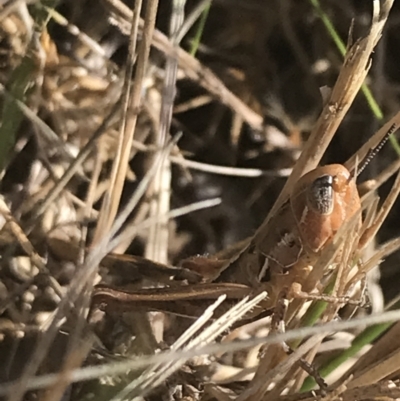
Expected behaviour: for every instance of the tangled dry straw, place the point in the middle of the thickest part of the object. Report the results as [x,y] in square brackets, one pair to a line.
[119,138]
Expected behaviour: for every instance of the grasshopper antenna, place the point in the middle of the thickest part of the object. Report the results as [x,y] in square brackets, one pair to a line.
[374,151]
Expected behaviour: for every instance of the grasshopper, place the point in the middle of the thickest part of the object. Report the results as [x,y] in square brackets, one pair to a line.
[278,259]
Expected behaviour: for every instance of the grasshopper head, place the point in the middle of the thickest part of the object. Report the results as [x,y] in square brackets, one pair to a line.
[322,201]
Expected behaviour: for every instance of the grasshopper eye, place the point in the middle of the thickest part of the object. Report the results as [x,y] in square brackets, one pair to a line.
[320,195]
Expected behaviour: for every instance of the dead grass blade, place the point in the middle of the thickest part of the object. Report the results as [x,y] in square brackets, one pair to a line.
[118,174]
[80,285]
[379,362]
[264,378]
[121,367]
[73,168]
[232,171]
[27,246]
[352,74]
[193,69]
[160,189]
[371,231]
[155,375]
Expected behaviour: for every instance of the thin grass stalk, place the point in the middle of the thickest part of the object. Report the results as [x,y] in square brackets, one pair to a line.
[369,97]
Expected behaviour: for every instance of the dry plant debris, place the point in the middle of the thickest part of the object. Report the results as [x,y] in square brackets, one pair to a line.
[149,152]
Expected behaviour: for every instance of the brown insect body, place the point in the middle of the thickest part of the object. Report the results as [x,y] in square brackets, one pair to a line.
[284,251]
[280,254]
